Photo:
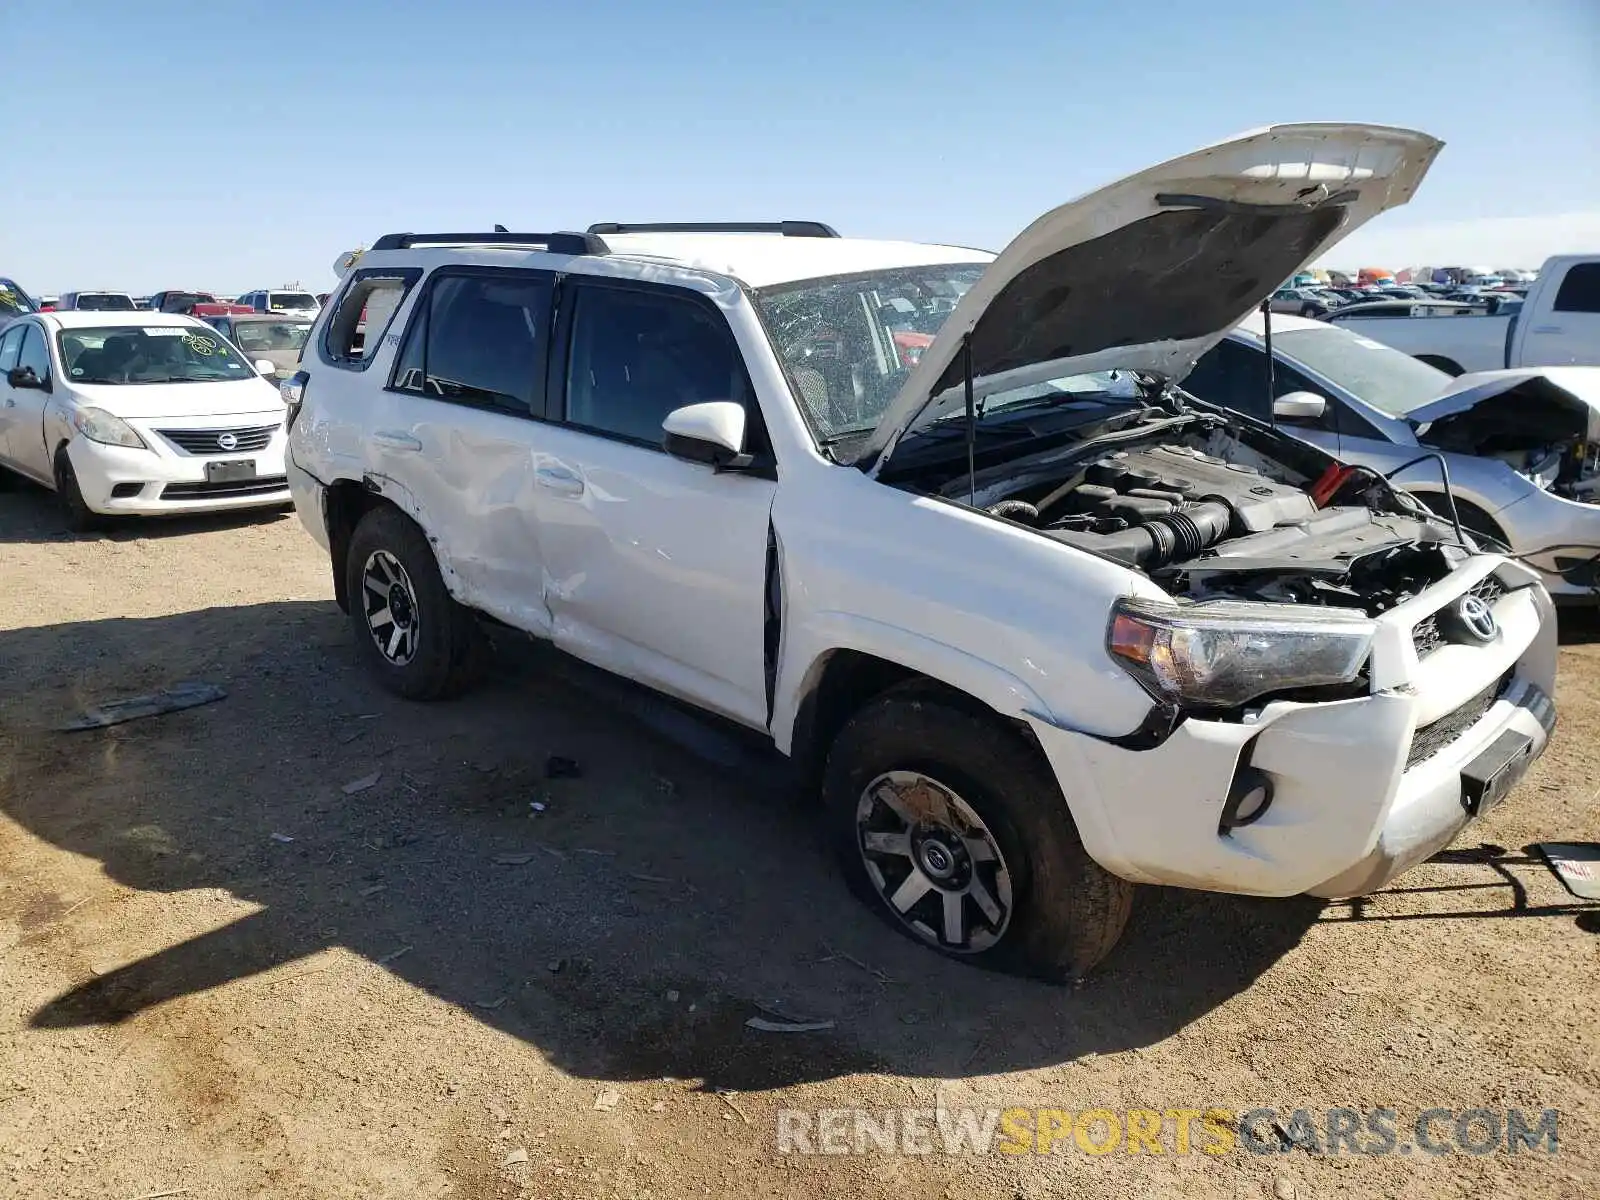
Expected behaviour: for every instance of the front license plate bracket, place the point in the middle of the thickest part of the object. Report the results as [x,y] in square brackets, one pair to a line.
[1494,771]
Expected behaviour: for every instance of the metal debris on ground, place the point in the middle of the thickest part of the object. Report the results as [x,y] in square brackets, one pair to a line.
[374,889]
[512,860]
[560,767]
[282,837]
[762,1025]
[607,1100]
[537,805]
[362,784]
[516,1157]
[665,786]
[727,1098]
[394,954]
[1576,864]
[853,961]
[555,964]
[174,699]
[497,1002]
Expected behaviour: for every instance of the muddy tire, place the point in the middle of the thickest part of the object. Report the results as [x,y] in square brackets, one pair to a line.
[927,800]
[409,631]
[80,517]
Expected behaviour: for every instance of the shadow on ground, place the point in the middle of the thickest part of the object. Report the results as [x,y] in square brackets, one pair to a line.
[32,513]
[679,861]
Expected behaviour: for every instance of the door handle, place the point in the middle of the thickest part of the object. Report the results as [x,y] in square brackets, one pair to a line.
[1545,329]
[559,480]
[396,441]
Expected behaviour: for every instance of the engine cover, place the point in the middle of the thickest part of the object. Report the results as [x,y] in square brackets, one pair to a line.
[1145,482]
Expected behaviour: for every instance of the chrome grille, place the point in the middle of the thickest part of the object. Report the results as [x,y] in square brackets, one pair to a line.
[1426,635]
[246,439]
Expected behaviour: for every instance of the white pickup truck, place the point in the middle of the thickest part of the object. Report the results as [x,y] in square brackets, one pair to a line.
[1558,325]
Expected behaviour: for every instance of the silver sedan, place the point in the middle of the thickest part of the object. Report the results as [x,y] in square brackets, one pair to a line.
[1522,447]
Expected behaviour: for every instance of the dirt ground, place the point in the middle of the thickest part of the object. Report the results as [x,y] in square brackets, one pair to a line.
[227,971]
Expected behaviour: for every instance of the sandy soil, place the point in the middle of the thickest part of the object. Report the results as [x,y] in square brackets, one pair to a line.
[222,976]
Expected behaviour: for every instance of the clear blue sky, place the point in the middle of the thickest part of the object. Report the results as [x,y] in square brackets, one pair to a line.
[235,145]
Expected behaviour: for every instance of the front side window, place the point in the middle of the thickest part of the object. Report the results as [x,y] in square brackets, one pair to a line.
[848,342]
[34,355]
[636,355]
[479,339]
[124,354]
[10,344]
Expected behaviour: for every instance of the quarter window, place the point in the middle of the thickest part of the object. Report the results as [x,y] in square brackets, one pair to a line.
[636,355]
[480,339]
[1580,290]
[364,309]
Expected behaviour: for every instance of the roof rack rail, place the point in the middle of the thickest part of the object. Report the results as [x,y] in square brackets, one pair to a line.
[814,229]
[555,243]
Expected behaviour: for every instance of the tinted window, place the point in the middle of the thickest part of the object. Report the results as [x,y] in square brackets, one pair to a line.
[104,302]
[10,343]
[637,355]
[13,300]
[365,308]
[1233,376]
[479,339]
[34,353]
[1580,290]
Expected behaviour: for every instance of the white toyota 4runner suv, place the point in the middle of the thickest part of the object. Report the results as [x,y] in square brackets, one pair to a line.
[943,526]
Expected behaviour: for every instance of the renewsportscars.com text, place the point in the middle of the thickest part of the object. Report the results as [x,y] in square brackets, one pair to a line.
[1212,1131]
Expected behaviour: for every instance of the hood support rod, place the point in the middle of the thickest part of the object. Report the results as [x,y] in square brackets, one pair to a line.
[972,421]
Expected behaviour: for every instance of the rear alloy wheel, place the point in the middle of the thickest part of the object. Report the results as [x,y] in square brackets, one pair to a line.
[391,607]
[410,631]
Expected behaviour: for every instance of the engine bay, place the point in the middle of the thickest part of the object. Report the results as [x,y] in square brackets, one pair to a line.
[1211,511]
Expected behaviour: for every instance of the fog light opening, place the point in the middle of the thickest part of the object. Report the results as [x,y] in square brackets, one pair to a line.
[125,491]
[1248,799]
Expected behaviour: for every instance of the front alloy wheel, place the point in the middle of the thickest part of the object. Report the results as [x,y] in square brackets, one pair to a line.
[934,862]
[390,603]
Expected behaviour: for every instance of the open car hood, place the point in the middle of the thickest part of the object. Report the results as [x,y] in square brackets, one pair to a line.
[1148,273]
[1574,389]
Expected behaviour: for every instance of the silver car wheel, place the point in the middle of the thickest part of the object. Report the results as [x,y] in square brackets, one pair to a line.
[934,862]
[390,604]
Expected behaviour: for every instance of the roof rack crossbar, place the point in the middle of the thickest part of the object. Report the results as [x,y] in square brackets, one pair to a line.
[786,228]
[555,243]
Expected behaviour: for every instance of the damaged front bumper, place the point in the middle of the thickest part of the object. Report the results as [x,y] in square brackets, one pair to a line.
[1360,789]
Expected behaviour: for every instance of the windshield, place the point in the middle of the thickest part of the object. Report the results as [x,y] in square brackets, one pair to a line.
[847,342]
[13,300]
[1383,377]
[265,337]
[104,302]
[287,300]
[155,354]
[182,302]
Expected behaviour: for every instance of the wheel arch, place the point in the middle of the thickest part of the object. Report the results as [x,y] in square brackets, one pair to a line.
[1474,517]
[347,501]
[839,681]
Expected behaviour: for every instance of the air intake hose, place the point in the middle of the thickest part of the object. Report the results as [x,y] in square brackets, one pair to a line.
[1160,540]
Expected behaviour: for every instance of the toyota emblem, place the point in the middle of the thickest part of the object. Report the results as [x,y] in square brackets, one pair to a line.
[1475,619]
[228,442]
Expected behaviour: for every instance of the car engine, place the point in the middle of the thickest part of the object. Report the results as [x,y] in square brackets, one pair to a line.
[1209,517]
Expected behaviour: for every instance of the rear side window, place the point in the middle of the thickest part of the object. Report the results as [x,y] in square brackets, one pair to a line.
[480,338]
[364,309]
[1580,290]
[637,355]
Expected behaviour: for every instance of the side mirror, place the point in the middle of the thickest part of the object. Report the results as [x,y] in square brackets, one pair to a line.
[712,433]
[265,366]
[25,377]
[1304,405]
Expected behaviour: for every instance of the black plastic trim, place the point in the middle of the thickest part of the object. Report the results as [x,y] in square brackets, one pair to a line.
[786,228]
[551,243]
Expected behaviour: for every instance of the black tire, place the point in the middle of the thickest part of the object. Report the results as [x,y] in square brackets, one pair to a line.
[441,651]
[1066,911]
[80,517]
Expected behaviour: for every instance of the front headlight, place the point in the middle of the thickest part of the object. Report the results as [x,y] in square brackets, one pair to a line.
[1221,654]
[100,426]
